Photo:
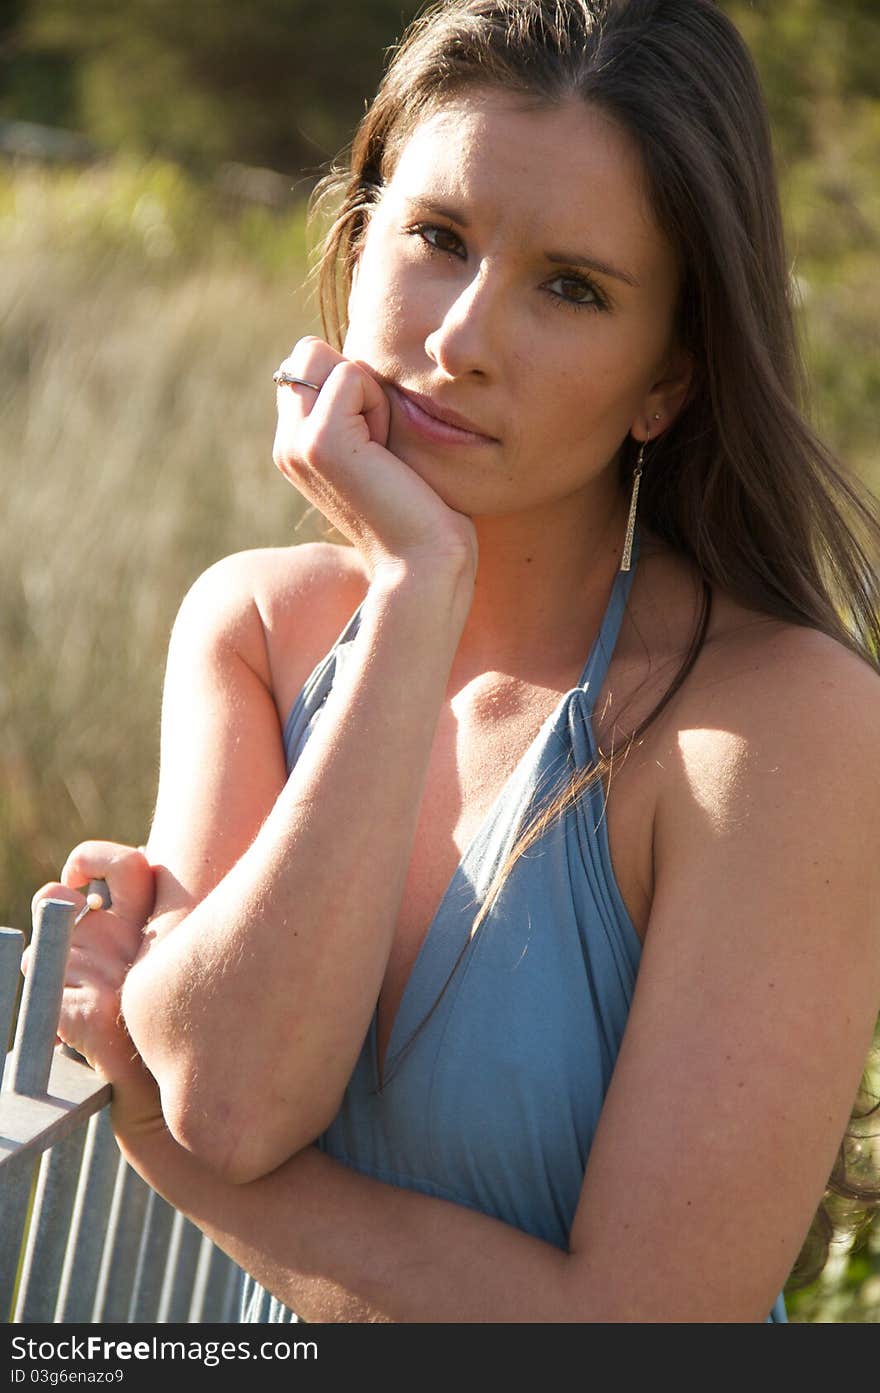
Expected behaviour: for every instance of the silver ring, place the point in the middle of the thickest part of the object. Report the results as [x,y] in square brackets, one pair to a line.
[287,379]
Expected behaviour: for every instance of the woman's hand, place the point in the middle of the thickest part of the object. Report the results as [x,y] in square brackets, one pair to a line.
[103,947]
[331,446]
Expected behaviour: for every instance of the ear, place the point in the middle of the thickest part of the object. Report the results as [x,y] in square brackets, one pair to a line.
[667,396]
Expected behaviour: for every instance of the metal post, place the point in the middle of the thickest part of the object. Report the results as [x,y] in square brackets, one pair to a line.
[28,1068]
[180,1270]
[11,948]
[152,1260]
[88,1222]
[210,1284]
[125,1223]
[17,1177]
[49,1229]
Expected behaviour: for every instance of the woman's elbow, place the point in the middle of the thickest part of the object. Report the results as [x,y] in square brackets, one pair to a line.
[241,1124]
[146,1009]
[236,1140]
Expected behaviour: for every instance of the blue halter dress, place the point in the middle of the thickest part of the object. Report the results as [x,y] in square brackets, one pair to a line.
[504,1044]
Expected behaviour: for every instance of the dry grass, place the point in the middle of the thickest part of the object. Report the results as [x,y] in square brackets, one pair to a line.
[136,424]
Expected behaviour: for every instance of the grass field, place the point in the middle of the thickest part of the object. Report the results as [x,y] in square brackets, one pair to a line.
[137,420]
[141,321]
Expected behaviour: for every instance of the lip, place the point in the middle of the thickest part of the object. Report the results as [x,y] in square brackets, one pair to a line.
[437,422]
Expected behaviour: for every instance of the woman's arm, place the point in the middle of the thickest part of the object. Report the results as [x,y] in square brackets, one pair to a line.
[334,1245]
[289,887]
[278,896]
[752,1017]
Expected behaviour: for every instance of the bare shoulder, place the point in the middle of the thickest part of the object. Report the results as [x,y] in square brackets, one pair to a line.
[777,722]
[769,710]
[766,682]
[753,674]
[287,583]
[281,608]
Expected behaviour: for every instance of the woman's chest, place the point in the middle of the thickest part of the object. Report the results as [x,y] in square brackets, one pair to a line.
[473,763]
[499,1050]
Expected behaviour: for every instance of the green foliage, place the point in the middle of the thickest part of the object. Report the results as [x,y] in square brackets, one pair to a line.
[40,87]
[812,56]
[274,82]
[282,82]
[151,209]
[847,1292]
[819,67]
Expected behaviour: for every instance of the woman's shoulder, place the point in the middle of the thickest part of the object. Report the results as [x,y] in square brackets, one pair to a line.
[775,718]
[766,674]
[281,608]
[768,705]
[752,669]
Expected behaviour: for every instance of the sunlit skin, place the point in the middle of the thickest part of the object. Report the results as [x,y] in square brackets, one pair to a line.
[469,292]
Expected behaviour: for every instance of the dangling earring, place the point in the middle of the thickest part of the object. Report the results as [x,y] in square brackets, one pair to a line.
[626,558]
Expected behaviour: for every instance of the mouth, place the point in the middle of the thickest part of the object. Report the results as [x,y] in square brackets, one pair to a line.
[437,422]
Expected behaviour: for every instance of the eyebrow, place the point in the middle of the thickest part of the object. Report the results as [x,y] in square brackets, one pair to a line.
[591,263]
[561,258]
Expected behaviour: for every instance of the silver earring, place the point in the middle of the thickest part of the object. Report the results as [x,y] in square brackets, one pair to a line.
[626,558]
[634,502]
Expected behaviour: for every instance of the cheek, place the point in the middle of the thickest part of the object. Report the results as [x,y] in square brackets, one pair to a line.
[376,316]
[618,373]
[580,425]
[584,401]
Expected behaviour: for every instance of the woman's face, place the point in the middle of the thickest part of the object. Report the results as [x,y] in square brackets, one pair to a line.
[513,280]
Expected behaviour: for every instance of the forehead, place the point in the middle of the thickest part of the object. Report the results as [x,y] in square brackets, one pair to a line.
[549,174]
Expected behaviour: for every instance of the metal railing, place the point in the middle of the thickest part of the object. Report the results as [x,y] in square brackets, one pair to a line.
[82,1238]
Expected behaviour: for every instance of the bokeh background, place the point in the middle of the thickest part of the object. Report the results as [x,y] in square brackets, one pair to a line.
[155,164]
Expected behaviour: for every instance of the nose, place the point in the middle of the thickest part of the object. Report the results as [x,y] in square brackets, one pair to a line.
[466,341]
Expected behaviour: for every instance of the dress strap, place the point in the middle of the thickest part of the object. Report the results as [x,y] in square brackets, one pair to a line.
[593,675]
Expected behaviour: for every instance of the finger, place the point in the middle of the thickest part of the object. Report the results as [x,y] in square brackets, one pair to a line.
[91,967]
[312,360]
[125,869]
[56,891]
[92,860]
[377,409]
[351,397]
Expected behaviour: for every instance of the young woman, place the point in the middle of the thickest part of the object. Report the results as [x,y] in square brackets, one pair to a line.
[520,855]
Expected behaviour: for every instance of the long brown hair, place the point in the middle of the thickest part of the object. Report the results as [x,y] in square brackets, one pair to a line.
[740,484]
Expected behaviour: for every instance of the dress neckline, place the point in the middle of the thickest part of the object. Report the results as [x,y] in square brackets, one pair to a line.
[589,683]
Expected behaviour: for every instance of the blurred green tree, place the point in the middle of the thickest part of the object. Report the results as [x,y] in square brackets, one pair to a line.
[813,57]
[275,82]
[36,82]
[282,82]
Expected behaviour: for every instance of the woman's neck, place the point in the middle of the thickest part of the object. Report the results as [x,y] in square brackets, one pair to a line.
[543,583]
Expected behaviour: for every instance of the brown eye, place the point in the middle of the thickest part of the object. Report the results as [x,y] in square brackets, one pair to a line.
[441,237]
[576,290]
